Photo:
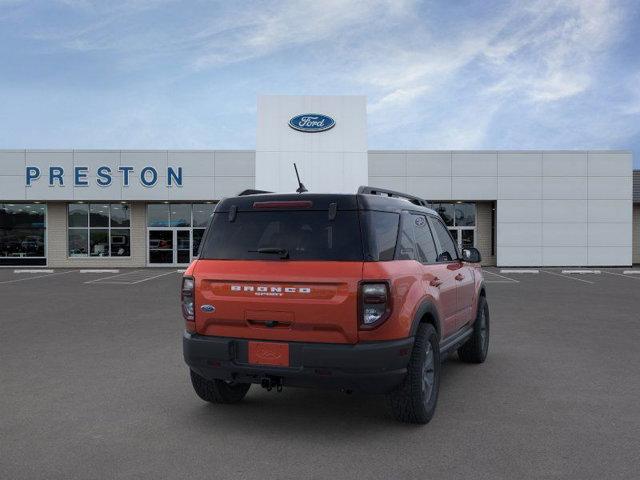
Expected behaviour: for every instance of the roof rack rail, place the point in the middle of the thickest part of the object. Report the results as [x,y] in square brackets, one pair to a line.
[251,191]
[392,193]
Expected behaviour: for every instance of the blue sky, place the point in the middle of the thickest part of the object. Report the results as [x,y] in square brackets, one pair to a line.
[455,75]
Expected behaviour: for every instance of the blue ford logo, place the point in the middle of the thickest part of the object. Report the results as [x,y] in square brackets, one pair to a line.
[311,122]
[208,308]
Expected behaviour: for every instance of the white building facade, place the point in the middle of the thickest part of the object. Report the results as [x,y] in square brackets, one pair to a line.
[98,208]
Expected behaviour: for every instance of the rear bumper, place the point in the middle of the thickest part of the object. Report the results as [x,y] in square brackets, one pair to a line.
[371,367]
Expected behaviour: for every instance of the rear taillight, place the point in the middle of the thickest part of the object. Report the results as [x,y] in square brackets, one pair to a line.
[375,304]
[186,297]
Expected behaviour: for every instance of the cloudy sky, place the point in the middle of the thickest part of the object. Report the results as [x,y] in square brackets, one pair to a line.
[452,75]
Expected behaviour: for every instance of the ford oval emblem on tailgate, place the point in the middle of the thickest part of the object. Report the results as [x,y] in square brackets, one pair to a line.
[208,308]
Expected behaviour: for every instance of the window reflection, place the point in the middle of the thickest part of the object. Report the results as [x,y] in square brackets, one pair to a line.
[180,215]
[465,214]
[202,213]
[22,230]
[158,215]
[78,242]
[445,210]
[90,232]
[187,221]
[99,215]
[120,242]
[99,242]
[78,215]
[120,215]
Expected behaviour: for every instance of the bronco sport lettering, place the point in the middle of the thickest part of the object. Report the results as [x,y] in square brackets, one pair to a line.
[358,292]
[263,289]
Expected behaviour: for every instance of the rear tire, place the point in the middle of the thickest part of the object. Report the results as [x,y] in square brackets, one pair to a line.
[414,401]
[218,391]
[476,348]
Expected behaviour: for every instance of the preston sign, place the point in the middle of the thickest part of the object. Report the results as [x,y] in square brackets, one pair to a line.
[312,122]
[56,176]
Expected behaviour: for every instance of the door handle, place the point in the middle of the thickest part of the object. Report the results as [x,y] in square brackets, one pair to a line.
[436,282]
[459,277]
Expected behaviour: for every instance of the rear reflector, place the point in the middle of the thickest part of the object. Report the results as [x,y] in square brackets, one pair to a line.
[284,204]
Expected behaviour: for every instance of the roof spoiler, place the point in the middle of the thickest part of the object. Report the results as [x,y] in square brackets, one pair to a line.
[365,190]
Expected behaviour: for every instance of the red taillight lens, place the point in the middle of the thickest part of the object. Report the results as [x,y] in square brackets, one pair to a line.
[375,304]
[186,297]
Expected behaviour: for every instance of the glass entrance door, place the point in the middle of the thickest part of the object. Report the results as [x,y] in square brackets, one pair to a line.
[161,247]
[170,246]
[464,237]
[183,246]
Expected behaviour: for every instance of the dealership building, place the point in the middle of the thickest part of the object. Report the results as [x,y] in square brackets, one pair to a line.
[136,208]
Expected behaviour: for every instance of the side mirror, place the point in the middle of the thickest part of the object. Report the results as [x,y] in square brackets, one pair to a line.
[471,255]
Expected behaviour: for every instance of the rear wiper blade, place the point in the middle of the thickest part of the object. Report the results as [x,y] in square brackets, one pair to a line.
[283,252]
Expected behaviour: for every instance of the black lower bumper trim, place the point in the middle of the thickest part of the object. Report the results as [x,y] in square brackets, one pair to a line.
[371,367]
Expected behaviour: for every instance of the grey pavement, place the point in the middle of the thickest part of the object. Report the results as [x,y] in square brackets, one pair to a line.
[93,386]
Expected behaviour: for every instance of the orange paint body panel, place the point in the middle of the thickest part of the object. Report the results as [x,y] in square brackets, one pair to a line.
[269,353]
[279,301]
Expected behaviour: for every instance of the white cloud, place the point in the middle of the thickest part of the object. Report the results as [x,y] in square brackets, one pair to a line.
[544,53]
[433,80]
[284,25]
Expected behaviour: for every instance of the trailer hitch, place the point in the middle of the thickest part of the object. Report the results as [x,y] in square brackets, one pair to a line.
[269,383]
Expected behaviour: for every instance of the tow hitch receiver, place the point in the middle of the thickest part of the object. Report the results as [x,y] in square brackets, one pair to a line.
[269,383]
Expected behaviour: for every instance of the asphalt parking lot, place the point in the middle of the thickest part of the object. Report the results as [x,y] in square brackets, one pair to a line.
[92,385]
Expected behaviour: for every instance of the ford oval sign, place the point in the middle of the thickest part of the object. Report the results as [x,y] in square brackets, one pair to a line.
[311,122]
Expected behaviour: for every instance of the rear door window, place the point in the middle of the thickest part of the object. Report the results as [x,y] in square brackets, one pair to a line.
[406,244]
[447,251]
[304,235]
[425,245]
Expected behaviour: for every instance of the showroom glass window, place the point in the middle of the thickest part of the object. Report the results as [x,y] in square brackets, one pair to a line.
[201,215]
[22,233]
[175,230]
[460,219]
[99,230]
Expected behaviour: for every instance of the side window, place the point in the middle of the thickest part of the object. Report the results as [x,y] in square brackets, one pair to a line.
[446,248]
[424,241]
[406,249]
[382,234]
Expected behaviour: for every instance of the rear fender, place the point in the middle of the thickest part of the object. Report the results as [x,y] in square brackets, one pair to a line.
[427,308]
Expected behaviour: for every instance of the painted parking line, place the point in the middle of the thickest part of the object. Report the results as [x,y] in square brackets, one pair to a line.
[151,278]
[517,270]
[567,276]
[580,272]
[38,276]
[41,270]
[100,270]
[129,278]
[510,280]
[112,276]
[622,275]
[631,272]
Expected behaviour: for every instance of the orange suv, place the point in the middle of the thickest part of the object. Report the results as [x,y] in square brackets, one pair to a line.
[363,292]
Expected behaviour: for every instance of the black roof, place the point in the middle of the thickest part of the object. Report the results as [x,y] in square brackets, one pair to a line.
[321,201]
[636,186]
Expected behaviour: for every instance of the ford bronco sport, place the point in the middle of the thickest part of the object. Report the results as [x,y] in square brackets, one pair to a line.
[360,292]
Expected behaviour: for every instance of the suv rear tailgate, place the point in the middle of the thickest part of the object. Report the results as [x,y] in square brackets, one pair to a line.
[305,301]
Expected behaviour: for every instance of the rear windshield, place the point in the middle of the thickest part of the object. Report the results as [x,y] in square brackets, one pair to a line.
[303,235]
